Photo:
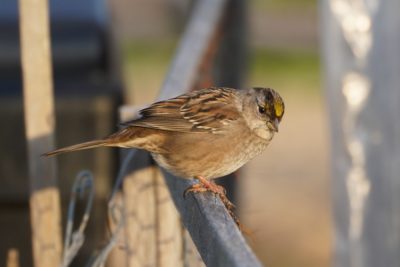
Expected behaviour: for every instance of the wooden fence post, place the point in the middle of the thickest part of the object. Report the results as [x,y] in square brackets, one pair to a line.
[140,213]
[169,228]
[361,43]
[12,258]
[39,122]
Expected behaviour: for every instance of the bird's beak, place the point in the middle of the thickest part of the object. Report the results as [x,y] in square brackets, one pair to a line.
[274,125]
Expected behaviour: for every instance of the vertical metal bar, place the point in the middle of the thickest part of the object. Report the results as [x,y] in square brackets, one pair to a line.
[192,48]
[39,122]
[231,60]
[360,48]
[230,71]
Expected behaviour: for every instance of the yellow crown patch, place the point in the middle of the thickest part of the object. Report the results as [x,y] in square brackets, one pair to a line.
[279,108]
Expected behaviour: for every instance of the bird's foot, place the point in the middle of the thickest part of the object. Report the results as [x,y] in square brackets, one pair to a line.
[205,185]
[196,188]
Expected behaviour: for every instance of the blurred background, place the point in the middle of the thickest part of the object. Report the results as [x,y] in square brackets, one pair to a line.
[109,53]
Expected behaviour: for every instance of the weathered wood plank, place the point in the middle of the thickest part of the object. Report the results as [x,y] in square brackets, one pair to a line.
[140,213]
[191,256]
[169,227]
[39,121]
[119,254]
[13,258]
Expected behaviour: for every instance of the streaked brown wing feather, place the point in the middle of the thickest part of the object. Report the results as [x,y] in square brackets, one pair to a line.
[205,110]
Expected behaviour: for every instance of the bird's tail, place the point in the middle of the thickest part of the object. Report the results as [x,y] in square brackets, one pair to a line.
[81,146]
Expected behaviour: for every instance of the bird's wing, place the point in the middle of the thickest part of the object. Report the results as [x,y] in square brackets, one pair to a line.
[206,110]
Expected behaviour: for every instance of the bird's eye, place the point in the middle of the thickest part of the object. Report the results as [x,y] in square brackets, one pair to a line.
[261,110]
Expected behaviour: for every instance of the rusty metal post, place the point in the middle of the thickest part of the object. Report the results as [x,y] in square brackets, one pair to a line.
[231,71]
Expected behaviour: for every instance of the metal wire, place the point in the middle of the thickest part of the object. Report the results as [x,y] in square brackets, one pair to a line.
[74,240]
[116,213]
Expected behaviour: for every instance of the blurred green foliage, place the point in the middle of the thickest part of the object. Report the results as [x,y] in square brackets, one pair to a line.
[283,4]
[287,70]
[148,52]
[146,64]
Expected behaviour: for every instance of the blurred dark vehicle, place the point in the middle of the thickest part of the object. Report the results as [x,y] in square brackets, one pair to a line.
[80,44]
[88,93]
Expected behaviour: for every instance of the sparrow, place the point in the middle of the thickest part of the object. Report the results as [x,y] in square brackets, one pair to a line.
[203,134]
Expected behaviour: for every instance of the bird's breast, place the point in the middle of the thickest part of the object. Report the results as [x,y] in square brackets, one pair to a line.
[209,155]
